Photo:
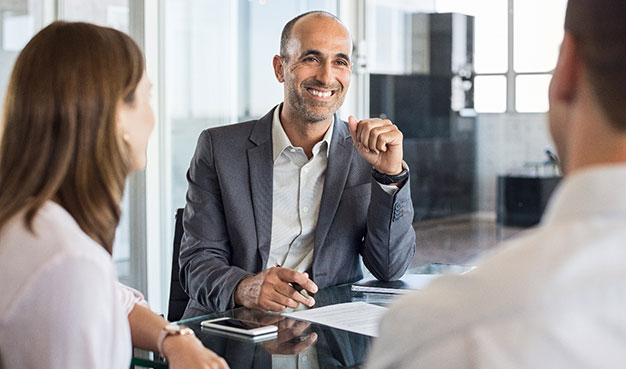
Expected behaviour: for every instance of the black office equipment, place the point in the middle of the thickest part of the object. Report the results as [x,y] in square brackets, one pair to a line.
[178,298]
[523,199]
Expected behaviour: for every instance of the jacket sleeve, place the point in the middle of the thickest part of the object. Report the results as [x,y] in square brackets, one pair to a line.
[206,273]
[389,244]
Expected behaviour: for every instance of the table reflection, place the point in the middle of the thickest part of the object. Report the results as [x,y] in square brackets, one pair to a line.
[297,345]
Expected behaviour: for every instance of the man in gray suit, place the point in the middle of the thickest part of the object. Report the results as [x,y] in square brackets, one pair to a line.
[291,200]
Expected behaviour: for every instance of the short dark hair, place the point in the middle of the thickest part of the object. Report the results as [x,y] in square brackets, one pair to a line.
[286,34]
[599,28]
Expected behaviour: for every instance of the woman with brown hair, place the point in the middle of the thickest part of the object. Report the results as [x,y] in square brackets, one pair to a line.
[76,122]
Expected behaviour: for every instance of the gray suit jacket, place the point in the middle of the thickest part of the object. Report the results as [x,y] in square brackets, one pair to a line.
[228,216]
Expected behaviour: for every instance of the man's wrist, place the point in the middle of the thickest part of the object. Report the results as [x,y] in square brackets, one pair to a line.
[241,291]
[390,172]
[389,179]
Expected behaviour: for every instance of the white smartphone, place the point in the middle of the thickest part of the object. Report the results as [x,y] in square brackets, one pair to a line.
[239,326]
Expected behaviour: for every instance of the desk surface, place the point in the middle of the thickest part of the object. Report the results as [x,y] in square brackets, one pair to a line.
[298,344]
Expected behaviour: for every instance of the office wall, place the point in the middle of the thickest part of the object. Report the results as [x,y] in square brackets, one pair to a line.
[507,143]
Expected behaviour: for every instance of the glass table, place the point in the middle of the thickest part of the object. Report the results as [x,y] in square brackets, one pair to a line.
[298,344]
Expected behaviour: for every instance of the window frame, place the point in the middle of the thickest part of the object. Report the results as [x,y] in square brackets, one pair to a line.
[511,75]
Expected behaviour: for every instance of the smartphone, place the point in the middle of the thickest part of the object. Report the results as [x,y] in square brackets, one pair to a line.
[233,325]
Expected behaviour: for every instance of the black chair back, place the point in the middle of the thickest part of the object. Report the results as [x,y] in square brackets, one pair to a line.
[178,298]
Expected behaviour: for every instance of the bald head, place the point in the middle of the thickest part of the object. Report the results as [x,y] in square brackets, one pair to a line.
[286,37]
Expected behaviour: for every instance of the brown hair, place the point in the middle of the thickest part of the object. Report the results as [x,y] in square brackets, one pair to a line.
[599,28]
[59,137]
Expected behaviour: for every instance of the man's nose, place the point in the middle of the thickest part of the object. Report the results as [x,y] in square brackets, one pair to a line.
[325,74]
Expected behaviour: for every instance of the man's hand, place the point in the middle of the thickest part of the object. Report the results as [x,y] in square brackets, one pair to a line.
[271,290]
[292,338]
[189,352]
[379,142]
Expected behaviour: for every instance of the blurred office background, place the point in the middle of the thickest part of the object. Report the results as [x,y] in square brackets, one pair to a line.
[465,80]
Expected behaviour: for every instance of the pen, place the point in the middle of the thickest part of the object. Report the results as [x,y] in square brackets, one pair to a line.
[295,285]
[300,338]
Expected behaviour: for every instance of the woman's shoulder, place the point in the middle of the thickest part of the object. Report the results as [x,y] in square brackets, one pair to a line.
[54,230]
[55,247]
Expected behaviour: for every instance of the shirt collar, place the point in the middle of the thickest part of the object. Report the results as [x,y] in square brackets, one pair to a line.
[280,141]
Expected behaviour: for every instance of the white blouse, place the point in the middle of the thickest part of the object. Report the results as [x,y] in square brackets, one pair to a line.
[61,305]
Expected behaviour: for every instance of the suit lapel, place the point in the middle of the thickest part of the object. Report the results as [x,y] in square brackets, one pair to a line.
[261,166]
[339,160]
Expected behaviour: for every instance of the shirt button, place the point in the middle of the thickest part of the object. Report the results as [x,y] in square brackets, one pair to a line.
[305,209]
[305,170]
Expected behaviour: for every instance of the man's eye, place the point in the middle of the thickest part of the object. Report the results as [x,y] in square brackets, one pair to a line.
[310,59]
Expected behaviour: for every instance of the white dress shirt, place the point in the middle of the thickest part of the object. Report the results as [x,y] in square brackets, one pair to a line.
[61,305]
[554,297]
[297,194]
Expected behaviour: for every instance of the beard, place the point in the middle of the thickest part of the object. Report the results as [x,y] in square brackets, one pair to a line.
[310,109]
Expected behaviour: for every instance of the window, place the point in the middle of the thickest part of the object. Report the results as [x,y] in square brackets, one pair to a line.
[109,13]
[490,35]
[115,14]
[490,50]
[19,21]
[531,92]
[490,93]
[218,69]
[536,40]
[537,31]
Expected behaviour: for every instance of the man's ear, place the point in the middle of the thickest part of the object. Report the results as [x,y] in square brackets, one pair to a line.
[567,74]
[279,71]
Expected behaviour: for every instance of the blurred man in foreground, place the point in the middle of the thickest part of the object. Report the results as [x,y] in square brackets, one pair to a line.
[554,297]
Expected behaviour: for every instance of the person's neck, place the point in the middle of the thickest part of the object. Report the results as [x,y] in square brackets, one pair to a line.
[594,140]
[303,133]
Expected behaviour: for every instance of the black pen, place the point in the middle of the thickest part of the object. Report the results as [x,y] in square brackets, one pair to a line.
[295,285]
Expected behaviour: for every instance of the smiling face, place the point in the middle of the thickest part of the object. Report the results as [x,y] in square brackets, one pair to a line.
[316,72]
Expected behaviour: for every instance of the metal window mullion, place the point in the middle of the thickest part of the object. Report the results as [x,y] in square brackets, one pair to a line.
[165,161]
[363,106]
[137,181]
[510,75]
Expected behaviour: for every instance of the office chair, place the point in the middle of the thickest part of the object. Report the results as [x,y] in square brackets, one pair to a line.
[178,298]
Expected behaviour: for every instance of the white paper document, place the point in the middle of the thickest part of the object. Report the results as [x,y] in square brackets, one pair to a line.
[357,317]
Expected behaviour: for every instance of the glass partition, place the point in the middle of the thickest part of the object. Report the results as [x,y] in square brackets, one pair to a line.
[115,14]
[218,68]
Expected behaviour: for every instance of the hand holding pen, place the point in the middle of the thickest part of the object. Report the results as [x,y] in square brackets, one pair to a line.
[298,287]
[274,289]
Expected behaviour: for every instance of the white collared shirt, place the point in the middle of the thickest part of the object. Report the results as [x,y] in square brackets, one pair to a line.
[554,297]
[297,194]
